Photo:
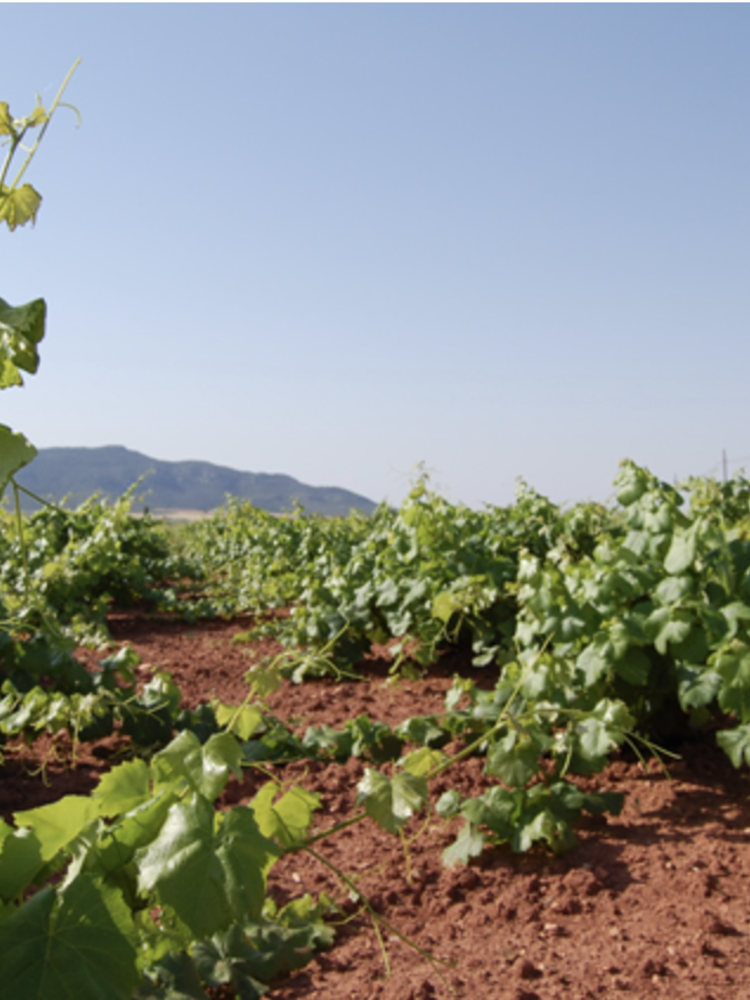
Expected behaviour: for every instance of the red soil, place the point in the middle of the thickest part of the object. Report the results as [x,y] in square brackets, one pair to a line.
[651,903]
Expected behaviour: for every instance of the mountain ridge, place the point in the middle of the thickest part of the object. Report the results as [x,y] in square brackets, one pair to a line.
[77,473]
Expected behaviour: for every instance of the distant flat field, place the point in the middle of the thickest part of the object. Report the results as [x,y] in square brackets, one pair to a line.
[185,514]
[177,514]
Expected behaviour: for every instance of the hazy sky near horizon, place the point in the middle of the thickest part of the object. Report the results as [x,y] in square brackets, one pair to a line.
[335,241]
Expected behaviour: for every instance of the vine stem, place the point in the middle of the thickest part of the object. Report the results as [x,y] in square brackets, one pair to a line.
[378,919]
[54,106]
[21,542]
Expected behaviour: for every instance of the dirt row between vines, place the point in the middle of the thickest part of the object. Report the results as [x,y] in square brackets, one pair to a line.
[651,903]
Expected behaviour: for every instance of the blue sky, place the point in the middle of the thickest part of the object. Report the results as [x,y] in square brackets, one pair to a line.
[336,241]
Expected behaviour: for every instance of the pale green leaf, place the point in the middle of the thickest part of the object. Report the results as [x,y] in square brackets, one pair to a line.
[467,845]
[19,206]
[6,120]
[123,788]
[681,554]
[57,824]
[596,659]
[245,720]
[449,804]
[696,687]
[673,589]
[286,819]
[422,761]
[391,802]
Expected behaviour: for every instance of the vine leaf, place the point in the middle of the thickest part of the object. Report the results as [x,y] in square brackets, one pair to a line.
[736,744]
[288,819]
[21,329]
[467,845]
[79,944]
[19,205]
[210,879]
[15,452]
[58,823]
[123,788]
[391,802]
[206,768]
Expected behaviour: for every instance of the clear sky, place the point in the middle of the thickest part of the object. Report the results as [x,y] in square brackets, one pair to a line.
[335,241]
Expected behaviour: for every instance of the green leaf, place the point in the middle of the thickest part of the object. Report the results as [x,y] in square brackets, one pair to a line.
[259,953]
[467,845]
[174,977]
[734,695]
[118,842]
[423,730]
[15,452]
[244,721]
[19,206]
[7,126]
[81,944]
[696,687]
[736,744]
[634,666]
[287,819]
[391,802]
[735,613]
[514,761]
[543,824]
[20,860]
[449,804]
[604,729]
[57,824]
[209,879]
[693,648]
[596,659]
[207,768]
[123,788]
[664,629]
[594,738]
[264,679]
[673,589]
[681,554]
[161,691]
[21,330]
[632,483]
[422,761]
[497,809]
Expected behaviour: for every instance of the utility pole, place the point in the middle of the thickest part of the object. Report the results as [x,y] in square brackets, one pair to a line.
[724,463]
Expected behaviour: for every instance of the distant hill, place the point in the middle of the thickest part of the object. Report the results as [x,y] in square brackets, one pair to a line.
[79,472]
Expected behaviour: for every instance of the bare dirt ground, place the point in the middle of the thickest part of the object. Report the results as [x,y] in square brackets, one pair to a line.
[651,903]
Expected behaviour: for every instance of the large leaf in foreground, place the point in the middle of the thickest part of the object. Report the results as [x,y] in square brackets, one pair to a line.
[82,946]
[209,878]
